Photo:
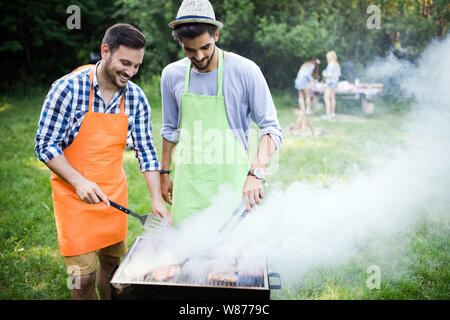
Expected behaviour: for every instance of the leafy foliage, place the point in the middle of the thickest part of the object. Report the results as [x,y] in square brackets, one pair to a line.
[37,46]
[278,35]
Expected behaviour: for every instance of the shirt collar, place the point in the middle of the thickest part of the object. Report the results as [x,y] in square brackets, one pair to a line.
[95,82]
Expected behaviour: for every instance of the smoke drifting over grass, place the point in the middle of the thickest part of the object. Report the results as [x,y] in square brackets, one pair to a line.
[307,224]
[314,225]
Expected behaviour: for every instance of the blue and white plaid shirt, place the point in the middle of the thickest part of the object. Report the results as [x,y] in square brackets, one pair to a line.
[66,104]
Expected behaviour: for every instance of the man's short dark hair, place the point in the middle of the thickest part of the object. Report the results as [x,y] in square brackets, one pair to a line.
[193,30]
[125,35]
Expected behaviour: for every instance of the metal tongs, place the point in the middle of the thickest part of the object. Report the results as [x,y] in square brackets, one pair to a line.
[150,222]
[238,215]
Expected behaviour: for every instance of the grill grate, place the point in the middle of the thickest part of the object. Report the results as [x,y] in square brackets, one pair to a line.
[194,277]
[201,279]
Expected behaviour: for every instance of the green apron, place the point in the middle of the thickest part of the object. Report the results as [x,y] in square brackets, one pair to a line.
[207,154]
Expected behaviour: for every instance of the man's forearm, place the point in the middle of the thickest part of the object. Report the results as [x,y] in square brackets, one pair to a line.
[154,185]
[60,166]
[266,150]
[166,156]
[253,190]
[88,191]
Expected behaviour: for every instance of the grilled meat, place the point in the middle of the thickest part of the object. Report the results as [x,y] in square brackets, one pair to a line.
[166,272]
[223,270]
[249,269]
[222,277]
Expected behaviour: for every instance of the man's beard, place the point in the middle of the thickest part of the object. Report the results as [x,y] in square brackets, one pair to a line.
[207,63]
[112,75]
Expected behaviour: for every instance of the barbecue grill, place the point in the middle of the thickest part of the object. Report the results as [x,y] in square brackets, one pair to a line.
[190,285]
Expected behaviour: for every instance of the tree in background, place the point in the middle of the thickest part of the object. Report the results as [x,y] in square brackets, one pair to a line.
[152,18]
[36,45]
[279,35]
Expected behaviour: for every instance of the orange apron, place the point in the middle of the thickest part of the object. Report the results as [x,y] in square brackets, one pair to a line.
[84,67]
[97,153]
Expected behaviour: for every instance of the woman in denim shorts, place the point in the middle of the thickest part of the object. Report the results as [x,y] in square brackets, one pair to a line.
[307,72]
[331,75]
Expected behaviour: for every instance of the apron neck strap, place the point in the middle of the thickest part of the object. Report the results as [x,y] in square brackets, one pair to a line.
[219,74]
[91,94]
[91,90]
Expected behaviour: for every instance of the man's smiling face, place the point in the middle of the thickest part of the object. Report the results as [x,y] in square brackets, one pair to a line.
[200,50]
[122,64]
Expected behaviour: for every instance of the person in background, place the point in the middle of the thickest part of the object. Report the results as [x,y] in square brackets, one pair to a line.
[307,72]
[82,132]
[331,75]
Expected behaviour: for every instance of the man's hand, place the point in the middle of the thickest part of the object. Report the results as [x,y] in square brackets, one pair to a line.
[253,191]
[166,187]
[89,191]
[159,209]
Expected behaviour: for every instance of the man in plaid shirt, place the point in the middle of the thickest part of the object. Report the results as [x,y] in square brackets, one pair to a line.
[86,119]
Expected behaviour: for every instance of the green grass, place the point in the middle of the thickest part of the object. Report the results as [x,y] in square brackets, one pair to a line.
[413,266]
[348,145]
[31,267]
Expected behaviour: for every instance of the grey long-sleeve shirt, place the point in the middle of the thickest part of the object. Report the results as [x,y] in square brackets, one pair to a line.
[247,98]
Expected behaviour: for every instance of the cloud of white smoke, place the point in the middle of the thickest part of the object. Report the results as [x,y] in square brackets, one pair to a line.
[307,224]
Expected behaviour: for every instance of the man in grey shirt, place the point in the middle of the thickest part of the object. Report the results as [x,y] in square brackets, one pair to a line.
[247,97]
[245,93]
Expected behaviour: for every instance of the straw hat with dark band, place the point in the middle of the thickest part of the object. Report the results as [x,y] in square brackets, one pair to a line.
[196,11]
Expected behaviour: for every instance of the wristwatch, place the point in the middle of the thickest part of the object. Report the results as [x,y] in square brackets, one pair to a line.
[258,173]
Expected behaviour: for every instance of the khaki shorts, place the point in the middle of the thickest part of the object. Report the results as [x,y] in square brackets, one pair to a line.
[87,263]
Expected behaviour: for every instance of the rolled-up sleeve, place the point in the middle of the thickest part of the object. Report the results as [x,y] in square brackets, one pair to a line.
[170,110]
[263,110]
[53,121]
[144,145]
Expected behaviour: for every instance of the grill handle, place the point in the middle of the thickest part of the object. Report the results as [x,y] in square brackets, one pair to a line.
[274,286]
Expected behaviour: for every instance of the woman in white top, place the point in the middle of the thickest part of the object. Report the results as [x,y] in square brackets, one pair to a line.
[331,75]
[305,75]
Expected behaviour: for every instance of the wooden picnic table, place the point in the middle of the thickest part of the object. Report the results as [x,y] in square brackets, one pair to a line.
[363,92]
